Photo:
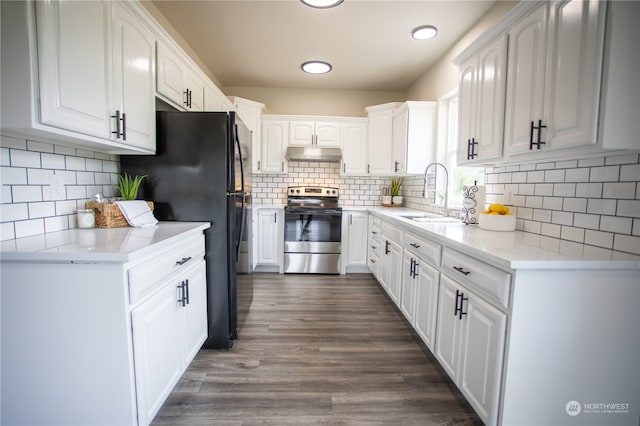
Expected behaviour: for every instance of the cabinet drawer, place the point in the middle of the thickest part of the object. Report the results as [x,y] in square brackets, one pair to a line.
[422,247]
[143,277]
[392,232]
[486,280]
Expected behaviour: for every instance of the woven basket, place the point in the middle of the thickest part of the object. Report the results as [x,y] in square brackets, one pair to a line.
[109,215]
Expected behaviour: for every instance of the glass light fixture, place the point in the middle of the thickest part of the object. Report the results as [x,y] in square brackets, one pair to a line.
[316,67]
[424,32]
[322,4]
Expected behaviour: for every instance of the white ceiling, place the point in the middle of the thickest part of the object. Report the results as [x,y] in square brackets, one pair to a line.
[262,43]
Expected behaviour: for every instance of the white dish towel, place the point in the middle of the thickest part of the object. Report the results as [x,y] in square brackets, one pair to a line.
[137,213]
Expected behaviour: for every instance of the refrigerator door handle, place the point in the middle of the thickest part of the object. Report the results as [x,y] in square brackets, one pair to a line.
[242,193]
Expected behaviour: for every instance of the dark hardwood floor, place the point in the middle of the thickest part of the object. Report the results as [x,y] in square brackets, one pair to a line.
[318,349]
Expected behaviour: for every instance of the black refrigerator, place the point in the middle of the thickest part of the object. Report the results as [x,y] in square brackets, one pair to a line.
[202,172]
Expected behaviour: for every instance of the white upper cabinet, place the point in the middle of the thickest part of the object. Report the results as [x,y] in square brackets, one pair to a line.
[250,113]
[178,82]
[413,137]
[275,134]
[379,137]
[481,104]
[75,74]
[554,77]
[133,59]
[81,73]
[314,133]
[354,147]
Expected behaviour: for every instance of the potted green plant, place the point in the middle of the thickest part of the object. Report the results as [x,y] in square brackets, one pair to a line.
[129,185]
[396,185]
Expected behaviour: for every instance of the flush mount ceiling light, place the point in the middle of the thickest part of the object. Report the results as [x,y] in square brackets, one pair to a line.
[424,32]
[316,67]
[322,4]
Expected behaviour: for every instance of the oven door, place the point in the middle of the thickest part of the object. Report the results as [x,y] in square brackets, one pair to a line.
[312,240]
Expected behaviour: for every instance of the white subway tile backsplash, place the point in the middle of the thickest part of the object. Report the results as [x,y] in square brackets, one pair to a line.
[601,206]
[574,205]
[27,228]
[13,176]
[21,193]
[589,221]
[628,208]
[605,174]
[20,158]
[618,225]
[589,190]
[625,190]
[28,207]
[598,238]
[577,175]
[572,234]
[627,243]
[593,200]
[44,209]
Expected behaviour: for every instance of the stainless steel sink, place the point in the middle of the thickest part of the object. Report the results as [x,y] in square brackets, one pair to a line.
[429,218]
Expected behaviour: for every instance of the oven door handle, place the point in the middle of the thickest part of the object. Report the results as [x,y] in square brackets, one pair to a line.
[303,210]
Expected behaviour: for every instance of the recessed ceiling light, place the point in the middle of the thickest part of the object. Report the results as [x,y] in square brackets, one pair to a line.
[424,32]
[322,4]
[316,67]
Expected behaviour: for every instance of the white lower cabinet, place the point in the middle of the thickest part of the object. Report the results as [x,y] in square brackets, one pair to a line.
[391,267]
[427,282]
[470,346]
[270,239]
[109,337]
[168,330]
[354,241]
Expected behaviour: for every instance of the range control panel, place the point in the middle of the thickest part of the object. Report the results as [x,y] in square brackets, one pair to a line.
[312,191]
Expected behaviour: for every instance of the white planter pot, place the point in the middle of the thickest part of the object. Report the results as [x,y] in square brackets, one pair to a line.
[397,199]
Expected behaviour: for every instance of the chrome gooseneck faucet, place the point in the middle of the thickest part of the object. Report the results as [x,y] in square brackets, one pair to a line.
[430,185]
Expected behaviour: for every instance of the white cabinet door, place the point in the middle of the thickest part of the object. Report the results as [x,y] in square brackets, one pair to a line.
[250,113]
[195,312]
[158,350]
[408,293]
[426,306]
[301,133]
[572,91]
[354,147]
[482,349]
[470,346]
[170,75]
[270,232]
[196,87]
[74,66]
[399,131]
[414,137]
[327,133]
[379,137]
[316,133]
[553,92]
[448,328]
[275,135]
[134,88]
[356,238]
[481,104]
[391,269]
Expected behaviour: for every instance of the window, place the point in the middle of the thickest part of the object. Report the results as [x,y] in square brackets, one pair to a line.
[447,150]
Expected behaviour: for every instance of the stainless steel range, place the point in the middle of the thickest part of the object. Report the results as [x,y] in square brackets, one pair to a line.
[312,230]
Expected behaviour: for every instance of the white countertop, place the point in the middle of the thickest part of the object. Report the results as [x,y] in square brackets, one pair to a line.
[512,250]
[96,245]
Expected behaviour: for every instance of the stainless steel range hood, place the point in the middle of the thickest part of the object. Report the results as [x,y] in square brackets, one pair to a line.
[299,153]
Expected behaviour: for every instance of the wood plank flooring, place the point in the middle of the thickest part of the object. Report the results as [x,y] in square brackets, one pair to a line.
[318,349]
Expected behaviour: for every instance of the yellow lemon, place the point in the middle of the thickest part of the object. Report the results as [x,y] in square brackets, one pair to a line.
[495,207]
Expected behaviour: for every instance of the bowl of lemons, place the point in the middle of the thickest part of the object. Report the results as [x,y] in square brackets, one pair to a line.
[497,217]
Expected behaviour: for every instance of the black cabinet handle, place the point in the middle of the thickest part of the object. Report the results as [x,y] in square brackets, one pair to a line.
[461,270]
[459,306]
[386,247]
[414,245]
[344,167]
[119,127]
[538,141]
[396,166]
[411,267]
[186,286]
[183,260]
[181,296]
[275,217]
[124,126]
[474,143]
[415,269]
